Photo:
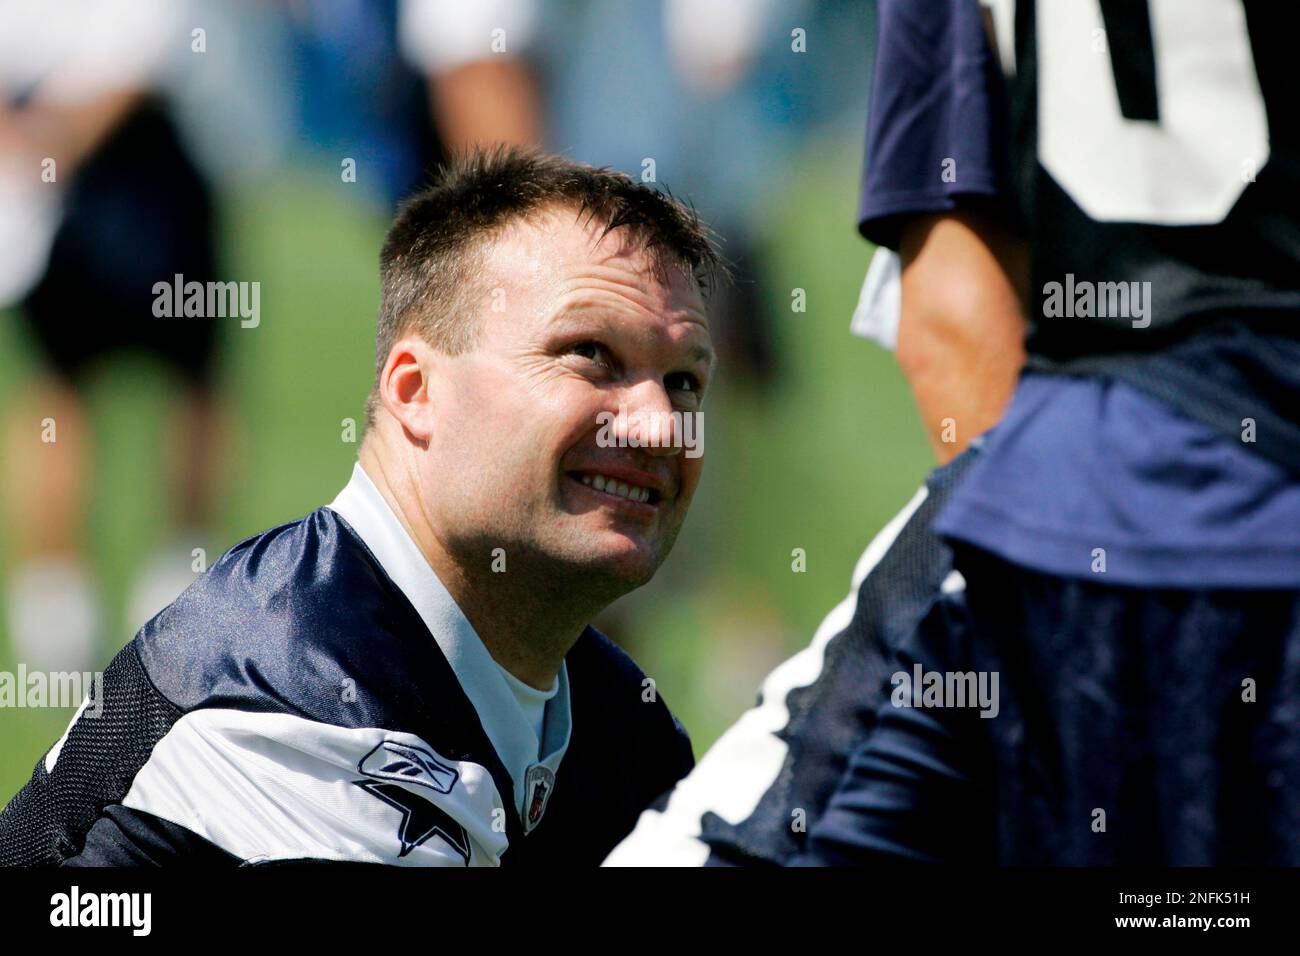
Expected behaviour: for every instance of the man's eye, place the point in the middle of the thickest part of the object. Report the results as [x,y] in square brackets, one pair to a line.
[593,351]
[682,381]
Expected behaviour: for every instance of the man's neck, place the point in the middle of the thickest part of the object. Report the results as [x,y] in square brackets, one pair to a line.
[527,629]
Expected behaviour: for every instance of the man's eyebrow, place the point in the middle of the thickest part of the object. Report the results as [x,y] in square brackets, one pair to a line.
[574,316]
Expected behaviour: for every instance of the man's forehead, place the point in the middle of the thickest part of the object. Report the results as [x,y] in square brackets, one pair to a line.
[557,248]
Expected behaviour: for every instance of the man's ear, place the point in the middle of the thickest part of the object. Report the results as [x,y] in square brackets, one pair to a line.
[406,386]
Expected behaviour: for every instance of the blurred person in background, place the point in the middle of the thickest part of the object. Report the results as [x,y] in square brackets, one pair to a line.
[99,200]
[400,85]
[475,55]
[662,102]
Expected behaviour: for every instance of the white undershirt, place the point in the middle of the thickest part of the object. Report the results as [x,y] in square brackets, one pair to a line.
[531,701]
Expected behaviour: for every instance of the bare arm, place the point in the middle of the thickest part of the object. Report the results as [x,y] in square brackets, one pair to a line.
[67,133]
[485,102]
[961,334]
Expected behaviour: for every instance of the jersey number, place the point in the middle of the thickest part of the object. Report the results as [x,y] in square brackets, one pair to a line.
[1173,132]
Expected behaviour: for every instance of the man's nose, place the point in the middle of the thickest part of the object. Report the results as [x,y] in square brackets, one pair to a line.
[651,423]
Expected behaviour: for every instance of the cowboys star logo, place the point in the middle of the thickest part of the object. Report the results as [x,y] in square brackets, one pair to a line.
[391,765]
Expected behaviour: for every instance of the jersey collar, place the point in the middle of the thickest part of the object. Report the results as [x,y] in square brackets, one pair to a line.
[366,510]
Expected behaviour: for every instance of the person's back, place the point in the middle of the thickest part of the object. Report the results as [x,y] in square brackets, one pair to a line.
[1130,533]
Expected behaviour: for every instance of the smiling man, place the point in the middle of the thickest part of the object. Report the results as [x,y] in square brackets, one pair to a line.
[407,676]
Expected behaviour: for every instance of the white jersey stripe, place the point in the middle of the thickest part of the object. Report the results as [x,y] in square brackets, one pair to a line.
[278,787]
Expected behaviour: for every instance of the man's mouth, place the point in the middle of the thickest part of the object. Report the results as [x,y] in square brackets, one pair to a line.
[616,488]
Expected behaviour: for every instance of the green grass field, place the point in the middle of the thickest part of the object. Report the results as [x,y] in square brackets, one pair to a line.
[820,463]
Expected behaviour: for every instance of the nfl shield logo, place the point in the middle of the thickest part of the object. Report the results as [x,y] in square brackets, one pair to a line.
[538,786]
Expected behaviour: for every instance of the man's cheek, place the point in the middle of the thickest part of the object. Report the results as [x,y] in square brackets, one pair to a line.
[692,470]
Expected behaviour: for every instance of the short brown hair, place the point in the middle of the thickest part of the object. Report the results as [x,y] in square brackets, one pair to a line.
[430,257]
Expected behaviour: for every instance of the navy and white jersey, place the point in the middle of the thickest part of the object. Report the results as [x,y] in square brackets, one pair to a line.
[1150,153]
[1158,144]
[763,786]
[317,695]
[1172,447]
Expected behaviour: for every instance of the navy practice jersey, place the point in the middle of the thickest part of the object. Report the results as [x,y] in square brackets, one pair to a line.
[1177,461]
[293,704]
[1151,155]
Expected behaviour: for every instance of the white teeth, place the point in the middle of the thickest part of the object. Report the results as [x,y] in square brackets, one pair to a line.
[623,490]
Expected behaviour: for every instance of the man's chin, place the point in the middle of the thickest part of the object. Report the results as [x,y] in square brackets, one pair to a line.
[617,560]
